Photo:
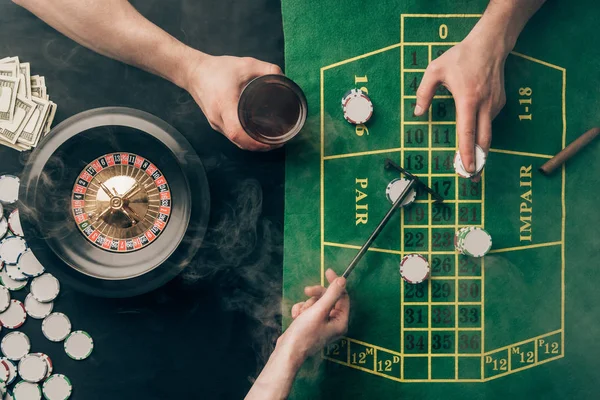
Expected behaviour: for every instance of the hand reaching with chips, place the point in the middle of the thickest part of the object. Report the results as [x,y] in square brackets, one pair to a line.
[216,84]
[317,321]
[473,71]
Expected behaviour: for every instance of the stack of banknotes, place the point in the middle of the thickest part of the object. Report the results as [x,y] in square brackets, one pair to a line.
[26,112]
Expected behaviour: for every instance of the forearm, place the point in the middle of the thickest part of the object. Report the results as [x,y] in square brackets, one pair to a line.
[276,379]
[115,29]
[504,20]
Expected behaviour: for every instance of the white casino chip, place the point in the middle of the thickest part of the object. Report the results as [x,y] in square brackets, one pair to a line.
[27,391]
[12,370]
[79,345]
[3,226]
[10,283]
[15,345]
[29,265]
[414,268]
[36,309]
[357,107]
[56,327]
[48,362]
[57,387]
[396,187]
[15,315]
[14,223]
[11,248]
[15,273]
[45,288]
[4,371]
[477,242]
[480,159]
[9,189]
[32,368]
[4,299]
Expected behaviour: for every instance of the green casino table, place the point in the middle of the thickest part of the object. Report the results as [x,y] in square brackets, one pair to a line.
[519,321]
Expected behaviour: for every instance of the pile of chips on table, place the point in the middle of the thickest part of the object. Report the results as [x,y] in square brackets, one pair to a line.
[26,112]
[27,375]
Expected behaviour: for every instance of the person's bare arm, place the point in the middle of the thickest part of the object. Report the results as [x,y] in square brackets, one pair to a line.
[473,71]
[317,321]
[115,29]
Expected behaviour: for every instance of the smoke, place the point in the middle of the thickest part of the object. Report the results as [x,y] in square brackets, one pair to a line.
[54,201]
[242,253]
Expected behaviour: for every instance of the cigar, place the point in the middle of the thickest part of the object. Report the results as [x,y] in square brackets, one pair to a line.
[569,151]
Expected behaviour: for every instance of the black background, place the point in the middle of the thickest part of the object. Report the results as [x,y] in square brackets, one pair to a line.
[205,334]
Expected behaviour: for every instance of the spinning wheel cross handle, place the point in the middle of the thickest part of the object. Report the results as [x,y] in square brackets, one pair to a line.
[390,164]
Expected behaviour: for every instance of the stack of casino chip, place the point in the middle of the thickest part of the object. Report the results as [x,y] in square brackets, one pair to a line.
[472,241]
[480,159]
[357,107]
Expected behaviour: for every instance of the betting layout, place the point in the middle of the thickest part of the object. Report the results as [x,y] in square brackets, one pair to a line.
[445,328]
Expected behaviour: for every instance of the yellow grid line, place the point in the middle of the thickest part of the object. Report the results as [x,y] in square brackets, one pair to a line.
[547,64]
[401,211]
[456,267]
[526,247]
[443,329]
[451,202]
[442,16]
[532,339]
[431,43]
[389,251]
[435,97]
[349,60]
[522,368]
[443,303]
[433,123]
[564,212]
[521,153]
[356,341]
[429,229]
[322,162]
[482,273]
[361,153]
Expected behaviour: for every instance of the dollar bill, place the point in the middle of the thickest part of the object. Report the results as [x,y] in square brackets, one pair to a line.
[38,87]
[33,128]
[11,130]
[9,59]
[8,69]
[36,91]
[8,97]
[25,70]
[50,118]
[13,146]
[26,112]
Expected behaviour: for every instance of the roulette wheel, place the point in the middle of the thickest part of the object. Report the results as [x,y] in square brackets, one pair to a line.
[114,202]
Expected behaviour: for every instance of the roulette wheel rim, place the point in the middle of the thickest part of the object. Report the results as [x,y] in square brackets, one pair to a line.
[47,198]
